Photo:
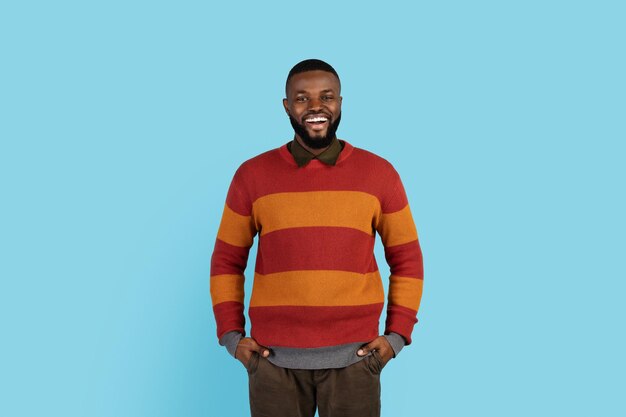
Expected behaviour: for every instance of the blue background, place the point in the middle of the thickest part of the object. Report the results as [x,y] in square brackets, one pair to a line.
[121,124]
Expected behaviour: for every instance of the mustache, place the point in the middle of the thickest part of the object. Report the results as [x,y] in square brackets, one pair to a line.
[316,113]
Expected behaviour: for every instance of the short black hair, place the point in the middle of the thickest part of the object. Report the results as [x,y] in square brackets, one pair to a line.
[310,65]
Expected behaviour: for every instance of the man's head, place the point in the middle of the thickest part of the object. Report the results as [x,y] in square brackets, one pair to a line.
[313,102]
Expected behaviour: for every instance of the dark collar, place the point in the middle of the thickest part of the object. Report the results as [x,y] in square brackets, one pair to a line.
[303,157]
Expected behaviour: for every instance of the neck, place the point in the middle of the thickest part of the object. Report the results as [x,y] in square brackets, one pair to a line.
[314,151]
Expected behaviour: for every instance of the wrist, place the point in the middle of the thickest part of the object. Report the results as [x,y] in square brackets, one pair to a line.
[230,341]
[396,341]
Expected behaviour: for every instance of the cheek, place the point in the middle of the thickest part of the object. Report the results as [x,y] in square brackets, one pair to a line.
[297,112]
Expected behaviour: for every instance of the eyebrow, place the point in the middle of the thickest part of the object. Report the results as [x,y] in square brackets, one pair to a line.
[328,90]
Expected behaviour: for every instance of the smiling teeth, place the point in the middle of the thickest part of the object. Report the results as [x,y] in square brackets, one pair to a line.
[317,119]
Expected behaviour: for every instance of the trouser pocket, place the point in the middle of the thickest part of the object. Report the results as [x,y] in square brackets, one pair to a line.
[375,362]
[253,362]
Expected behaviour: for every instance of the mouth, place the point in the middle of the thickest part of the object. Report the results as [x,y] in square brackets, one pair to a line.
[317,122]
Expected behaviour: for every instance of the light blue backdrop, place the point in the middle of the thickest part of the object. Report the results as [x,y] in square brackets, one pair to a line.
[121,124]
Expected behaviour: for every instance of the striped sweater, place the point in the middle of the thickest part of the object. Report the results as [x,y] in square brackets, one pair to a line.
[316,281]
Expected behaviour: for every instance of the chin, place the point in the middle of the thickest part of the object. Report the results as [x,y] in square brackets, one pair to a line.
[318,135]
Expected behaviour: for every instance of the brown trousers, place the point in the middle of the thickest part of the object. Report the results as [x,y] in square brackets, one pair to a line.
[344,392]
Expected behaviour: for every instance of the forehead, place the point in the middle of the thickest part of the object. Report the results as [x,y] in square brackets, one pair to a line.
[313,81]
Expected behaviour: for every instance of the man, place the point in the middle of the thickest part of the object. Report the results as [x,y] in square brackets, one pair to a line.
[316,204]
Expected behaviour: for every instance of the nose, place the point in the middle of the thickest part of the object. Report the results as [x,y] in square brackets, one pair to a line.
[315,104]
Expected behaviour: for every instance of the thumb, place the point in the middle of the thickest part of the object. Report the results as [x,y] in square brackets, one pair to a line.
[261,350]
[364,350]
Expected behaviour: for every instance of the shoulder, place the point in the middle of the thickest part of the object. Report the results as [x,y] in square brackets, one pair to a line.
[369,160]
[259,163]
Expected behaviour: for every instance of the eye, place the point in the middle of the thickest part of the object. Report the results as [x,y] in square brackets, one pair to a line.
[301,99]
[327,98]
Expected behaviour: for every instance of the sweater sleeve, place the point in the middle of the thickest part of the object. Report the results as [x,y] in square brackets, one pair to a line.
[230,257]
[404,256]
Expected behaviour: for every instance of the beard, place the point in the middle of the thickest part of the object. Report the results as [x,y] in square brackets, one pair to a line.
[318,142]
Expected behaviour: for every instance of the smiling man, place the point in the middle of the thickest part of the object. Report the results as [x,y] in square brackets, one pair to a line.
[313,105]
[316,204]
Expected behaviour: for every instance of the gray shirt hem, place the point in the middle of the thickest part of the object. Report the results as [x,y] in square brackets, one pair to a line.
[327,357]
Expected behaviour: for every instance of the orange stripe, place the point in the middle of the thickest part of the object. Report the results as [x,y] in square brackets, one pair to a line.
[235,229]
[226,288]
[316,288]
[397,228]
[406,292]
[354,209]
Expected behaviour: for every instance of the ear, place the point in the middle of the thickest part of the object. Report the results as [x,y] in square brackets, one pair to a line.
[285,102]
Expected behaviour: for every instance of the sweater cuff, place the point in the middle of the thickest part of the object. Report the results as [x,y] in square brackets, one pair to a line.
[230,340]
[396,341]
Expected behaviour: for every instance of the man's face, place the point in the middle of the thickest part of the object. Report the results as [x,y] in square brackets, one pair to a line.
[313,104]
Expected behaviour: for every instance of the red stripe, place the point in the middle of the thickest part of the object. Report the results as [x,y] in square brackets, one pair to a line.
[228,259]
[310,327]
[397,200]
[405,260]
[316,248]
[237,198]
[401,320]
[362,171]
[229,316]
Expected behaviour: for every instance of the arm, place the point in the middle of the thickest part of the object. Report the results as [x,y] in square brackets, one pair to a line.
[229,260]
[404,256]
[228,263]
